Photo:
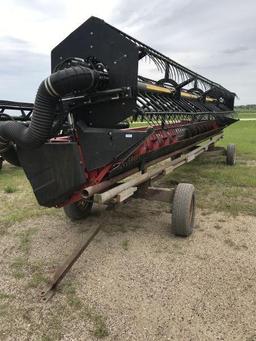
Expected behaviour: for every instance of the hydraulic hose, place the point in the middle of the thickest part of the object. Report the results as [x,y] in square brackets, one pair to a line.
[49,92]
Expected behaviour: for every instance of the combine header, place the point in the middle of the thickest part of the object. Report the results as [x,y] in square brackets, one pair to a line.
[96,121]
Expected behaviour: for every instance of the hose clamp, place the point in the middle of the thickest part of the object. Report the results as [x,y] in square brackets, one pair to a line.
[50,89]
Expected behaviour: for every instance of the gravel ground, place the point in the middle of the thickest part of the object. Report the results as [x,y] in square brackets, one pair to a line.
[134,282]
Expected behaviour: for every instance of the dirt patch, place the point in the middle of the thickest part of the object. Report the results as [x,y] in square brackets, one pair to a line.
[135,281]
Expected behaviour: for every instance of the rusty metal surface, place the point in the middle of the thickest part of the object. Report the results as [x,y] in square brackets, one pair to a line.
[63,269]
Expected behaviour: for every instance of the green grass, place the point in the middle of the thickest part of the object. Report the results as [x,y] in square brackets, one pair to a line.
[19,267]
[139,124]
[125,244]
[247,115]
[37,274]
[100,329]
[20,205]
[25,240]
[4,296]
[37,279]
[243,135]
[202,172]
[220,187]
[10,189]
[3,310]
[71,295]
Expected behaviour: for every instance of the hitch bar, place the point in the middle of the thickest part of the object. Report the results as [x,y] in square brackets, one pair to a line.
[63,269]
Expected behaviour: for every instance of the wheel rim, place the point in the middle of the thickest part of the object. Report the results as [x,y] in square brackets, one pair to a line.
[83,204]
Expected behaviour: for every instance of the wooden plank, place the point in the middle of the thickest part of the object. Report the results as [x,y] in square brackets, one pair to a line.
[125,194]
[120,191]
[113,192]
[105,185]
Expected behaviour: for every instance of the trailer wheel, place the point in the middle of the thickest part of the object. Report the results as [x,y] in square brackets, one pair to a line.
[1,162]
[231,154]
[183,210]
[80,209]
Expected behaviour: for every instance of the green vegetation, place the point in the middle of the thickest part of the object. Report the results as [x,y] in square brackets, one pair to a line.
[37,279]
[72,298]
[139,124]
[245,115]
[246,111]
[3,310]
[21,205]
[221,187]
[246,108]
[125,244]
[243,135]
[100,329]
[25,240]
[18,267]
[4,296]
[9,189]
[203,172]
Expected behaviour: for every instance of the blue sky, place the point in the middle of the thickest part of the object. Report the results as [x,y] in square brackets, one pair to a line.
[215,38]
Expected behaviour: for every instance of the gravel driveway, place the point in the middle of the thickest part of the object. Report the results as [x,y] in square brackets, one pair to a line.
[134,282]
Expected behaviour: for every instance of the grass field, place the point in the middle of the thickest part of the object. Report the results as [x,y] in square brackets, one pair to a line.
[17,201]
[247,115]
[219,187]
[243,135]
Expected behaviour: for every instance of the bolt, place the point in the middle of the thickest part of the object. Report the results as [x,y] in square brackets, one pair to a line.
[91,33]
[91,46]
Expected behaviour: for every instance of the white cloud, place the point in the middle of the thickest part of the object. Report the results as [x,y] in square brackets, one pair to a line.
[216,38]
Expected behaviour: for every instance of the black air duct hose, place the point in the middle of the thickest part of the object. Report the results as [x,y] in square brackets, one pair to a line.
[49,92]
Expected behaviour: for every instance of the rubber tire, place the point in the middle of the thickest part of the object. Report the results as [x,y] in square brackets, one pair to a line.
[183,210]
[77,212]
[231,154]
[1,162]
